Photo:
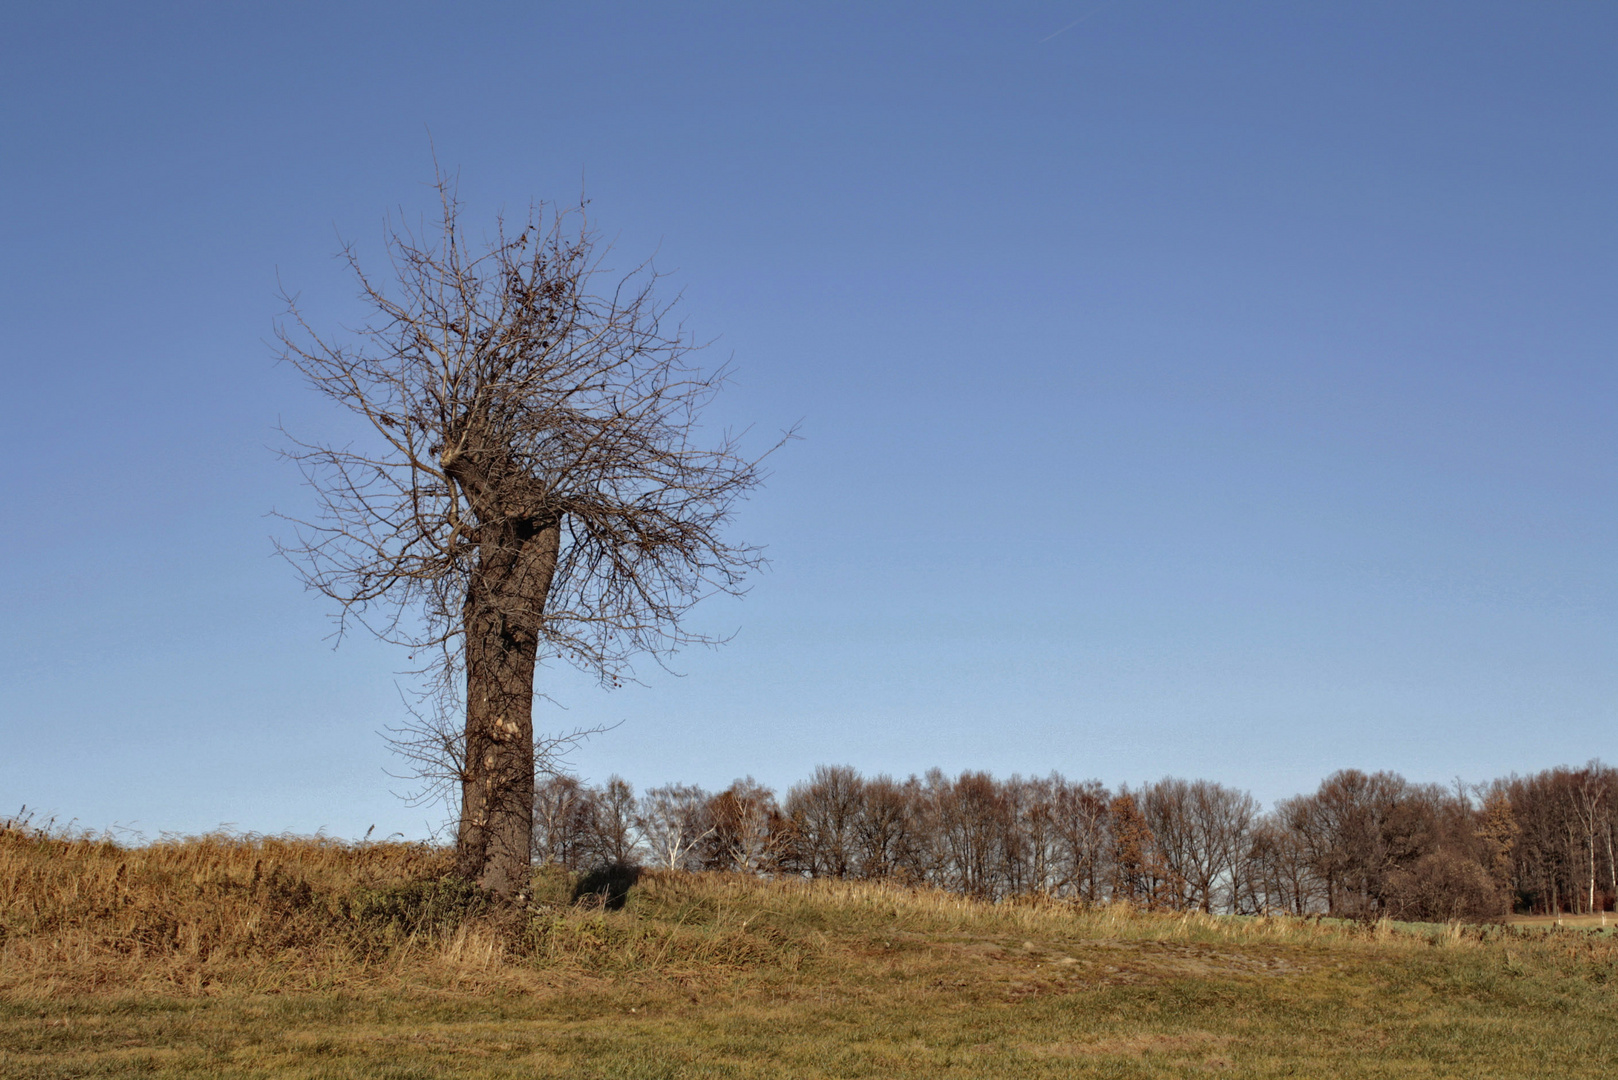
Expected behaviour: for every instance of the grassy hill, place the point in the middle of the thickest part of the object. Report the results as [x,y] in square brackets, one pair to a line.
[227,957]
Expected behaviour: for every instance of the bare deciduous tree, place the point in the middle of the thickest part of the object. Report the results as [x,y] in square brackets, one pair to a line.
[532,483]
[1203,831]
[825,813]
[745,828]
[886,833]
[672,821]
[1082,822]
[564,821]
[615,823]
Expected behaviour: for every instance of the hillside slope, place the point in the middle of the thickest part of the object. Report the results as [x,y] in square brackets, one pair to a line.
[271,958]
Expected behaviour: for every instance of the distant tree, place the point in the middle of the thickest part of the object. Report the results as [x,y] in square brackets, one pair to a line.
[1281,875]
[614,819]
[745,829]
[1359,827]
[973,820]
[1379,845]
[888,833]
[1082,821]
[1139,874]
[824,813]
[1362,845]
[1564,857]
[532,482]
[1589,804]
[1540,863]
[564,822]
[672,821]
[1497,832]
[1203,831]
[1034,856]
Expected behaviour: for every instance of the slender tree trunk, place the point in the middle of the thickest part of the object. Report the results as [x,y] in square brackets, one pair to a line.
[1612,867]
[1592,904]
[502,616]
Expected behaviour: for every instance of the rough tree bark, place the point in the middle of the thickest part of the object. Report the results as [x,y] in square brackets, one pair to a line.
[505,604]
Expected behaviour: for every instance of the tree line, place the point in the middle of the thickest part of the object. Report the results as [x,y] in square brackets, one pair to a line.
[1360,846]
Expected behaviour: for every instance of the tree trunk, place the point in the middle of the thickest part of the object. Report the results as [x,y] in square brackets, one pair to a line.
[502,617]
[1592,905]
[1612,867]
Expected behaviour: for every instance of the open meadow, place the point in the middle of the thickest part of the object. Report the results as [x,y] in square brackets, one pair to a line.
[229,957]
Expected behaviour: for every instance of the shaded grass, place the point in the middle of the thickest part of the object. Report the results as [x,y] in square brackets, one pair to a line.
[386,968]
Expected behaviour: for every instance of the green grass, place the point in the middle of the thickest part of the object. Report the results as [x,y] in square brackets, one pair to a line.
[1149,1011]
[733,977]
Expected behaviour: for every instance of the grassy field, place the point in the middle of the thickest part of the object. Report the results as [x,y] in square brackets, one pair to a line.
[233,958]
[1601,922]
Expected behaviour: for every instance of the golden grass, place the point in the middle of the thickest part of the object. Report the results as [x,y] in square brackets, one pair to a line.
[272,914]
[87,915]
[269,957]
[1601,920]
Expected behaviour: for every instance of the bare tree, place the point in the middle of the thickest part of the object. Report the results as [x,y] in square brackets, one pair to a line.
[1281,875]
[746,828]
[1203,832]
[887,831]
[1034,860]
[825,813]
[564,822]
[672,821]
[1589,789]
[532,483]
[1082,823]
[973,822]
[615,823]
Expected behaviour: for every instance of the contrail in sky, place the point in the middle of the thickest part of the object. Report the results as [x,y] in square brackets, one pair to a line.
[1093,11]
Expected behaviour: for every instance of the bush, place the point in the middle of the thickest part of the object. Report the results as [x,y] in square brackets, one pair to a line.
[1444,887]
[416,907]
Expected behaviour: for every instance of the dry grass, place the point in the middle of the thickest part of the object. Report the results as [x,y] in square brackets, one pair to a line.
[1601,920]
[267,957]
[273,914]
[85,915]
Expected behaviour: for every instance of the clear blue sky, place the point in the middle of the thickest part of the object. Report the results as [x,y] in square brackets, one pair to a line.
[1212,389]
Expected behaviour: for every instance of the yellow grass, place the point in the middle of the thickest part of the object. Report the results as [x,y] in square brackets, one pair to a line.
[238,957]
[1604,920]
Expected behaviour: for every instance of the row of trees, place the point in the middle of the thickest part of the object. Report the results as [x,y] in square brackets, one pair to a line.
[1362,845]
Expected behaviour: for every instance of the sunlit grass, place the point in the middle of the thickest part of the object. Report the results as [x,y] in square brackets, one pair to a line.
[269,958]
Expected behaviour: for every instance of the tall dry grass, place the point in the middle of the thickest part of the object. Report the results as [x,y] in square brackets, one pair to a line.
[85,915]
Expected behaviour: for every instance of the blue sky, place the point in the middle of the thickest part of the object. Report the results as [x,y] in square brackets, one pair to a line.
[1219,390]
